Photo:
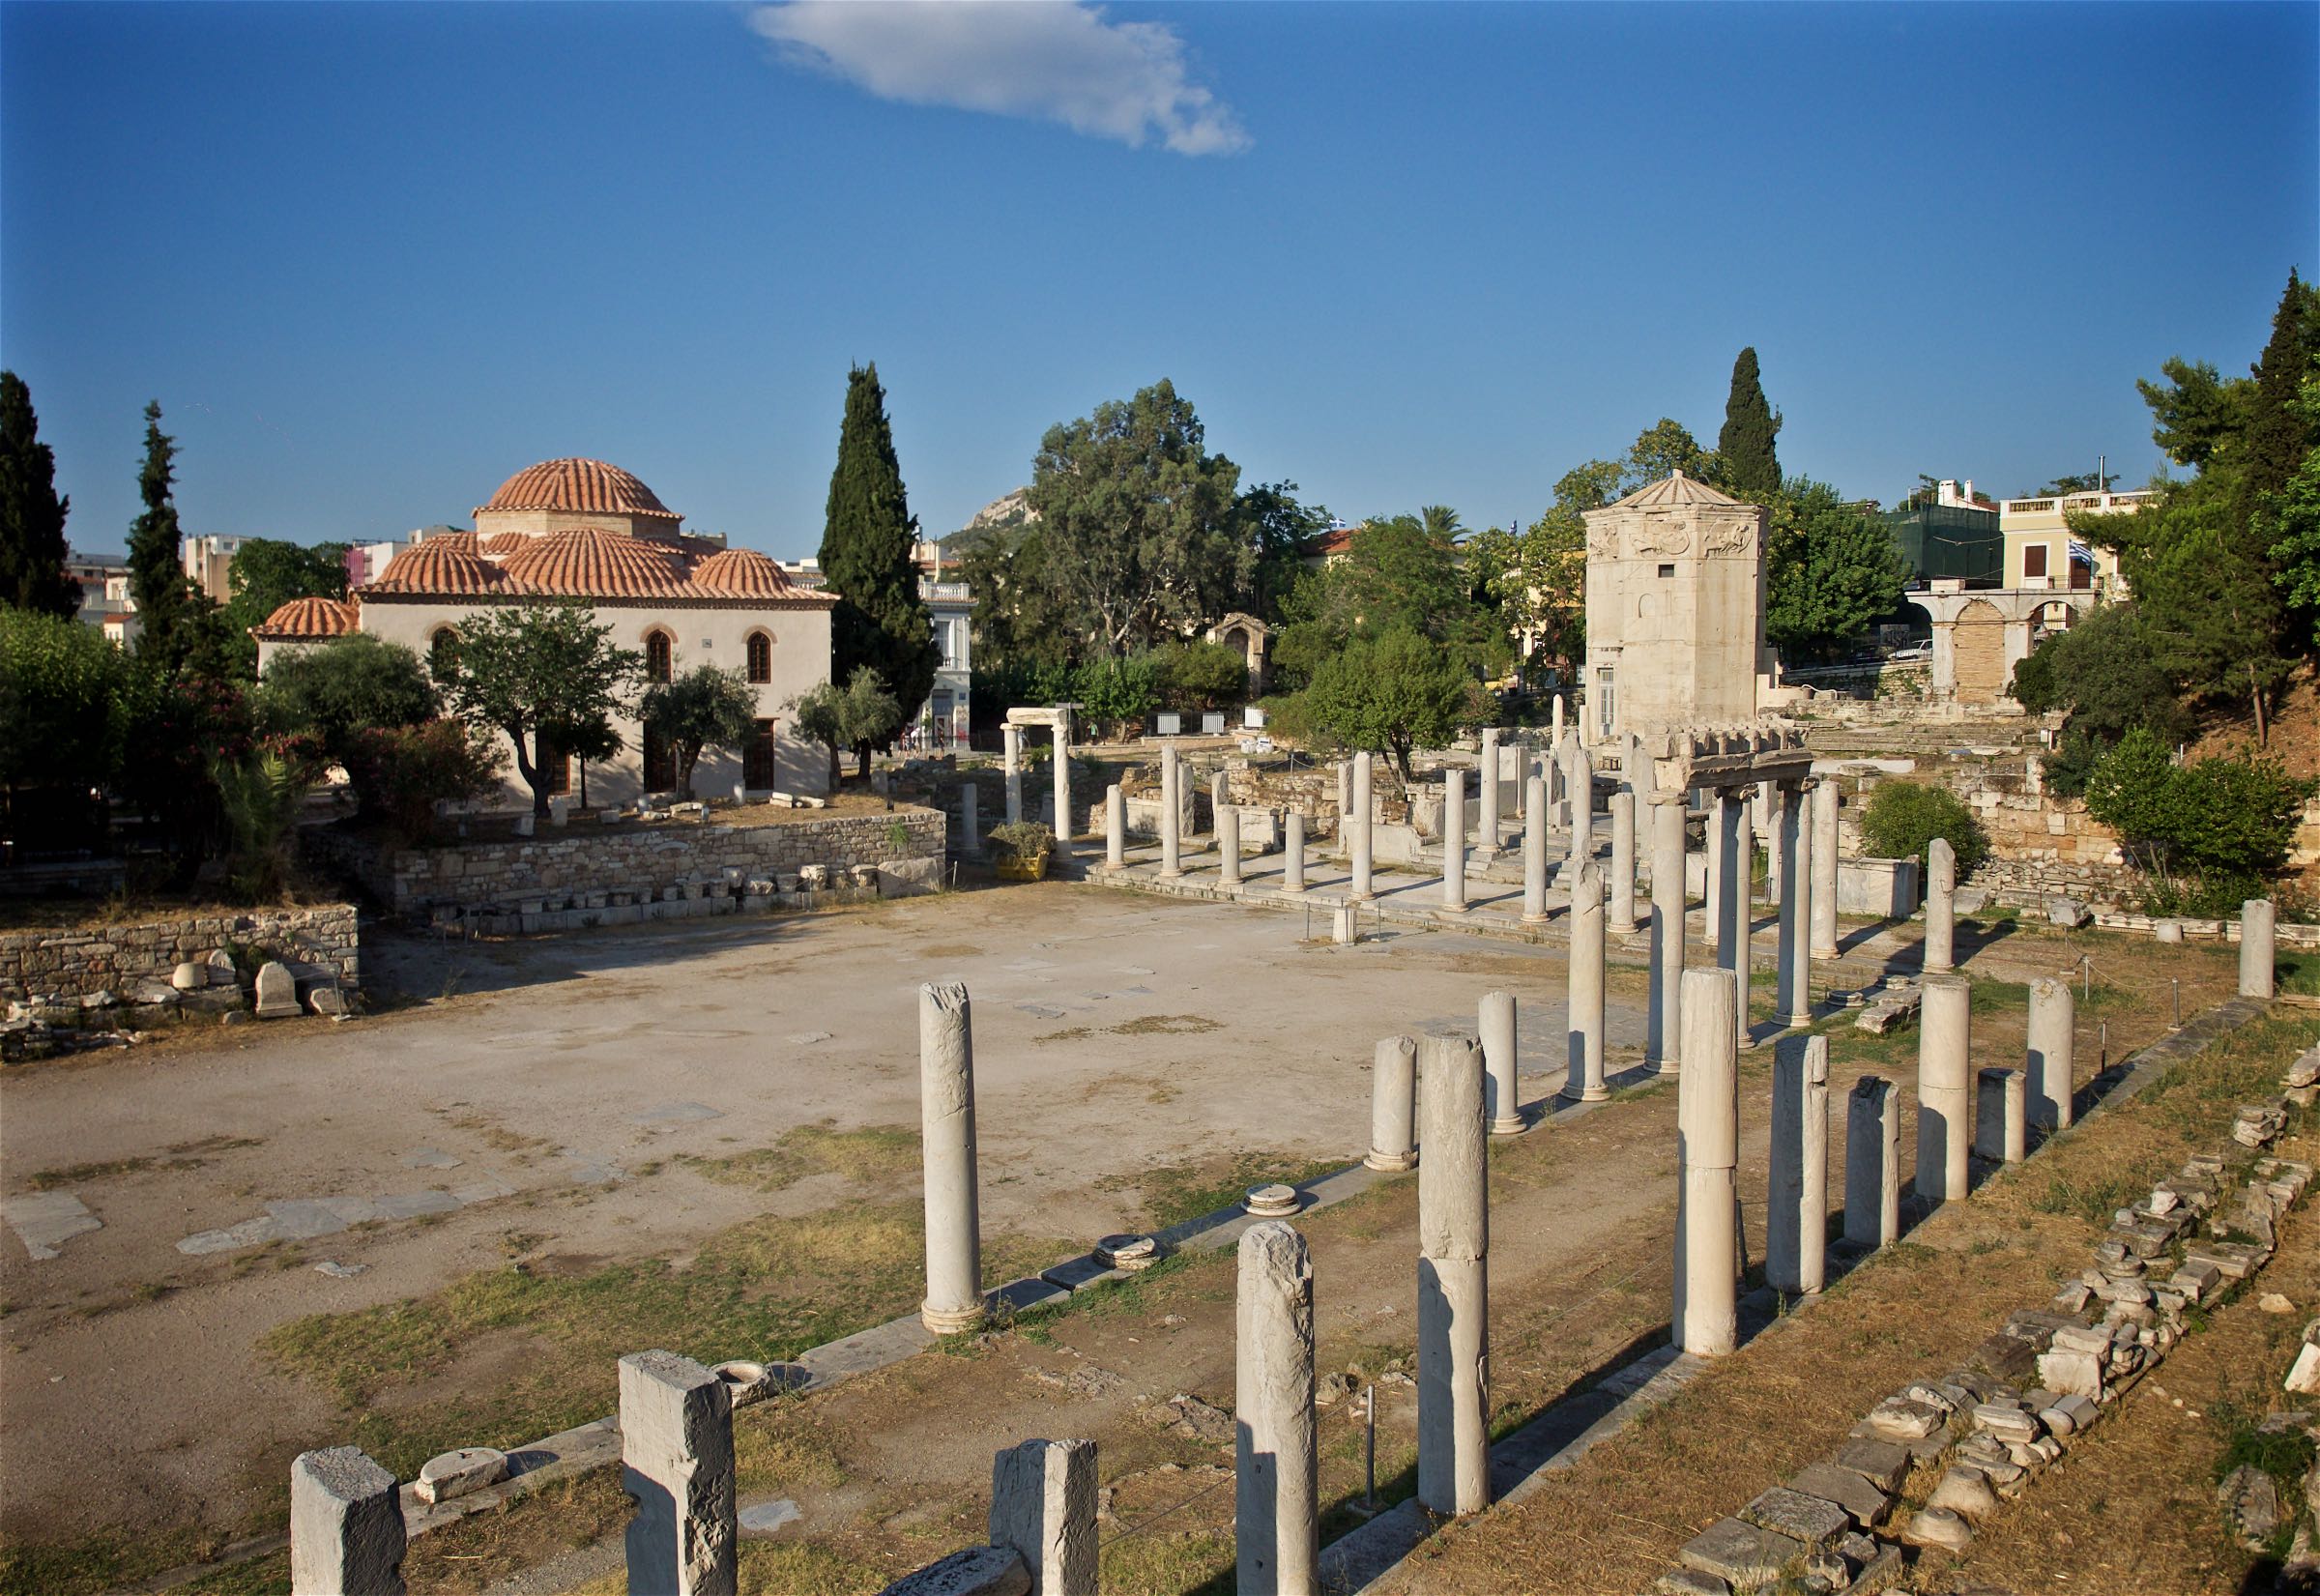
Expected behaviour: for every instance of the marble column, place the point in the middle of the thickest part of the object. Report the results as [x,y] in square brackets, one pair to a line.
[1795,993]
[1768,826]
[1796,1229]
[1043,1505]
[1344,789]
[1715,843]
[1454,841]
[1364,808]
[1171,812]
[1013,739]
[1394,1105]
[1584,1022]
[1487,778]
[2258,960]
[1228,843]
[1583,805]
[1063,825]
[1556,716]
[2000,1134]
[1823,849]
[970,820]
[1115,827]
[1621,911]
[1662,1038]
[1293,850]
[1706,1321]
[346,1525]
[676,1460]
[2049,1061]
[1454,1232]
[1501,1062]
[1873,1163]
[1534,851]
[1941,907]
[954,1266]
[1945,1090]
[1276,1492]
[1731,897]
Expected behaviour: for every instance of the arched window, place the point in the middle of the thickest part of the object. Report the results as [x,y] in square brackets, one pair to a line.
[442,652]
[657,656]
[760,657]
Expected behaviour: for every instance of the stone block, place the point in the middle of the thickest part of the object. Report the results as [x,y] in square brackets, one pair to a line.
[1882,1464]
[978,1571]
[459,1473]
[277,991]
[1689,1582]
[676,1460]
[1808,1520]
[1939,1529]
[1741,1553]
[1863,1502]
[346,1527]
[1043,1506]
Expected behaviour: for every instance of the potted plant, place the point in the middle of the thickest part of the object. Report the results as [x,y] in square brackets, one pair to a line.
[1022,850]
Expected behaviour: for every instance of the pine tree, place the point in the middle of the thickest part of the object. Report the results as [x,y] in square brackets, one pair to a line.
[32,517]
[1744,449]
[2279,434]
[868,544]
[157,571]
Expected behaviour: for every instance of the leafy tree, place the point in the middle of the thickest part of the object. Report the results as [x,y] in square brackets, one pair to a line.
[1834,569]
[268,572]
[62,720]
[1137,519]
[588,742]
[1394,692]
[705,708]
[869,545]
[1901,819]
[32,515]
[2199,413]
[1020,616]
[1540,578]
[1662,449]
[2293,517]
[400,772]
[179,725]
[1204,676]
[337,690]
[2085,482]
[1114,693]
[533,671]
[2102,673]
[1751,465]
[858,715]
[1279,533]
[2227,821]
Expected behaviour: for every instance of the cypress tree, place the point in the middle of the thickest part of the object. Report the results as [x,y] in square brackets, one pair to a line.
[2278,433]
[157,571]
[867,543]
[32,517]
[1745,447]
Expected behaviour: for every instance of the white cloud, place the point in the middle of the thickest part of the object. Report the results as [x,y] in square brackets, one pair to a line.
[1035,58]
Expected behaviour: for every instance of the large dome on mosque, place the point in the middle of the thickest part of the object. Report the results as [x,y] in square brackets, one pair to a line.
[578,486]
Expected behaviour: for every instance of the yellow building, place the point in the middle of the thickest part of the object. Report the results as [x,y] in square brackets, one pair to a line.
[2041,555]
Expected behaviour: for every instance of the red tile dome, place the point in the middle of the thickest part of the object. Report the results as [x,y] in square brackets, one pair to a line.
[583,562]
[589,486]
[305,618]
[743,573]
[446,563]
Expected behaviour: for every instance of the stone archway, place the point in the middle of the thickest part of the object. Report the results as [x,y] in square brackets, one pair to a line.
[1980,653]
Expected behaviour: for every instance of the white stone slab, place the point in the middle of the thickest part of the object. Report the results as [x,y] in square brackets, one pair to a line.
[44,1221]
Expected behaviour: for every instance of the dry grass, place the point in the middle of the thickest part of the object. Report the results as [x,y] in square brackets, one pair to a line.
[871,1156]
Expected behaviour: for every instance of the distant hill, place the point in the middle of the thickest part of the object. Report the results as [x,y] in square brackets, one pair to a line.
[1002,518]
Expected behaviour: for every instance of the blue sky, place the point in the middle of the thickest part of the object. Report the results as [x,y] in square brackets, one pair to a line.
[373,259]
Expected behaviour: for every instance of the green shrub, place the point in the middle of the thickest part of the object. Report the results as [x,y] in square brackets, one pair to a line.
[1903,818]
[1022,839]
[2208,833]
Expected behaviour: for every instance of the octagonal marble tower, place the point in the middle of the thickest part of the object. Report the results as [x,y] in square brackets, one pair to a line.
[1676,611]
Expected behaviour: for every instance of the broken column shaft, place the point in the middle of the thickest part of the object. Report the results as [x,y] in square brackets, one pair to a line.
[1584,1022]
[1358,843]
[1502,1063]
[1796,1229]
[1661,1040]
[1945,1090]
[2050,1060]
[1706,1321]
[1276,1496]
[1872,1164]
[1534,851]
[1394,1105]
[1941,907]
[676,1460]
[1454,1372]
[954,1269]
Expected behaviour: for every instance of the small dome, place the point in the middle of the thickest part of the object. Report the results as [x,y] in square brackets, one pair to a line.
[305,619]
[743,573]
[448,564]
[590,486]
[584,562]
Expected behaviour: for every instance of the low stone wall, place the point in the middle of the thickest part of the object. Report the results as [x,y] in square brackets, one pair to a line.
[321,942]
[561,880]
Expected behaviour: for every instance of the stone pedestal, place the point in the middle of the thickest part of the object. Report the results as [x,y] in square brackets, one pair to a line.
[1065,853]
[1115,827]
[1485,827]
[1293,850]
[346,1525]
[1795,993]
[1454,1456]
[1276,1496]
[2049,1060]
[1941,907]
[1502,1065]
[2000,1133]
[1043,1506]
[1343,929]
[1621,909]
[1555,723]
[954,1266]
[1171,812]
[1227,844]
[1358,841]
[676,1460]
[1012,738]
[1706,1321]
[1454,842]
[1824,869]
[1796,1228]
[1660,1044]
[1534,851]
[1394,1105]
[2257,957]
[1945,1119]
[1583,806]
[1873,1163]
[1584,1083]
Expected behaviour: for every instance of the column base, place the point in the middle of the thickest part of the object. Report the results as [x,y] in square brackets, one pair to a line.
[1825,953]
[1617,929]
[1669,1068]
[1392,1163]
[1509,1127]
[1798,1021]
[951,1322]
[1167,874]
[1536,920]
[1450,909]
[1361,897]
[1942,970]
[1585,1094]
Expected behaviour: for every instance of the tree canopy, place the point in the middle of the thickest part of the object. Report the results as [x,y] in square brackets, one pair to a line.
[705,708]
[335,690]
[860,715]
[533,672]
[1399,692]
[1750,464]
[869,553]
[32,515]
[167,605]
[2104,674]
[1833,570]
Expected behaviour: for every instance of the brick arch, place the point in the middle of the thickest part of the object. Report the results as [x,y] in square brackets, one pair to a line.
[1980,653]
